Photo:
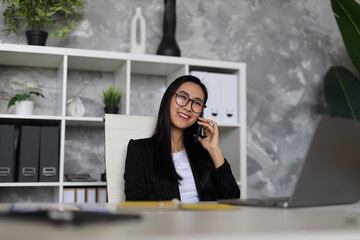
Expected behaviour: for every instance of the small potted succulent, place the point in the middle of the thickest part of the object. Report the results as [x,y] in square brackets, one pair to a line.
[22,101]
[112,98]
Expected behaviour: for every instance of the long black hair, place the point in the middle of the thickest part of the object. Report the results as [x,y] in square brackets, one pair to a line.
[163,167]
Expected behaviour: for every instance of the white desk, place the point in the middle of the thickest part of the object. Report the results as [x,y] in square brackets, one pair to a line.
[335,222]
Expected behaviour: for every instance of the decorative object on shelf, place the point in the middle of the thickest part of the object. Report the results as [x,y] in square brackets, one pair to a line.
[102,161]
[138,26]
[23,105]
[75,107]
[112,98]
[341,87]
[36,37]
[168,45]
[41,16]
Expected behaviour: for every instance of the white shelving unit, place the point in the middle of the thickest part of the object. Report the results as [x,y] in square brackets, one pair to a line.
[122,67]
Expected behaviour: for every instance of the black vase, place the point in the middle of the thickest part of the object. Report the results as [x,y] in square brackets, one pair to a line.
[36,37]
[113,110]
[168,45]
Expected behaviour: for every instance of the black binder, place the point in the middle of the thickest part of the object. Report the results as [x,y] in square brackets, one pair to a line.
[7,153]
[28,154]
[49,154]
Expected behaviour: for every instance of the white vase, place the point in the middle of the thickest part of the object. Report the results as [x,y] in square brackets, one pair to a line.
[24,107]
[137,21]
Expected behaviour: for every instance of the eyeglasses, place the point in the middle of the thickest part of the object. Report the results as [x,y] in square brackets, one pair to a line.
[182,99]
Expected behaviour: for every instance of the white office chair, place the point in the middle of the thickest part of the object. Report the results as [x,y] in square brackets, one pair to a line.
[119,129]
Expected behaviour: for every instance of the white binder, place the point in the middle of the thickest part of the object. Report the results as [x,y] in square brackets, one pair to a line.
[222,104]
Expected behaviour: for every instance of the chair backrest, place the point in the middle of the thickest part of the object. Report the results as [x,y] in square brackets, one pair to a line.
[119,129]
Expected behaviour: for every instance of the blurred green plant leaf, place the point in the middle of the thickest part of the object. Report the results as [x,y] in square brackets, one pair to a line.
[347,15]
[342,93]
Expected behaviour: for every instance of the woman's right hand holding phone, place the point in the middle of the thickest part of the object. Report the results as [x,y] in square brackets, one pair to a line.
[211,141]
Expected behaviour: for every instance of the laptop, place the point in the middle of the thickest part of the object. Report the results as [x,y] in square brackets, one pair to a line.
[330,173]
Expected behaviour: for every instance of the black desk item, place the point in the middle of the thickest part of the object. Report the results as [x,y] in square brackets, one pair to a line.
[28,154]
[330,173]
[7,153]
[79,178]
[73,217]
[49,154]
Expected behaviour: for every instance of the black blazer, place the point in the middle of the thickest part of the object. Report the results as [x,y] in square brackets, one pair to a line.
[139,185]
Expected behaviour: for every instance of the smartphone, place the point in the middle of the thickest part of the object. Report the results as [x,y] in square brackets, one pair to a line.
[200,131]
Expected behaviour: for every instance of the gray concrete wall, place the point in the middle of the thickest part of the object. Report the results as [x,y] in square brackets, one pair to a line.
[288,46]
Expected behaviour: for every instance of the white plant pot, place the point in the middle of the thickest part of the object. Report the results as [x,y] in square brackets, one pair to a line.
[24,107]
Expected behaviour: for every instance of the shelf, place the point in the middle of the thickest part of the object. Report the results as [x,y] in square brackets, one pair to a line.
[30,184]
[67,73]
[151,68]
[32,117]
[229,125]
[84,121]
[52,184]
[84,184]
[27,59]
[94,64]
[30,120]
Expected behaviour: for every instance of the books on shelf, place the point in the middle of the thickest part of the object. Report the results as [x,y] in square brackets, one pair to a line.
[85,195]
[101,195]
[91,195]
[69,195]
[35,156]
[80,195]
[28,154]
[49,154]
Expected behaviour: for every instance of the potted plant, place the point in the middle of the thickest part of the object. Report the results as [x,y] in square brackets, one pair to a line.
[112,98]
[41,16]
[23,104]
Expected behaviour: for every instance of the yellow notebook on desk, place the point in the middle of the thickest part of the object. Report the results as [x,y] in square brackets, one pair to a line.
[207,206]
[149,204]
[175,205]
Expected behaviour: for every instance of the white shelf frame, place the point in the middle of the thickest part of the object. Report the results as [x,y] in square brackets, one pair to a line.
[123,65]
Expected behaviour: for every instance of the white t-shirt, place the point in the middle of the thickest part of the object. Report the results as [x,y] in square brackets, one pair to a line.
[188,192]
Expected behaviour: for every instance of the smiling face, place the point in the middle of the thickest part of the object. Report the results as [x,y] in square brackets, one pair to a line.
[184,117]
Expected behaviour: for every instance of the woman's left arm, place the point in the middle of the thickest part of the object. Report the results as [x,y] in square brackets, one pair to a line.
[226,185]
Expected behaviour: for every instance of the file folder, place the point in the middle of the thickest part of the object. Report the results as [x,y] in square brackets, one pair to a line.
[91,195]
[101,195]
[28,154]
[229,98]
[49,154]
[214,103]
[80,195]
[222,104]
[69,195]
[7,153]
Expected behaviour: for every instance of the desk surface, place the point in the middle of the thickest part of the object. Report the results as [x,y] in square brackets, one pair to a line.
[333,222]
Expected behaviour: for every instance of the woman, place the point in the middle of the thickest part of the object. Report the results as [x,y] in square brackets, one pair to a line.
[171,164]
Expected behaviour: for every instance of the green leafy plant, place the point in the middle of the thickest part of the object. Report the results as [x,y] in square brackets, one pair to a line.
[112,96]
[28,89]
[40,14]
[341,87]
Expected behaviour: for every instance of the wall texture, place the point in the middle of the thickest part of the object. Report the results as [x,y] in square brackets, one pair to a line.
[288,46]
